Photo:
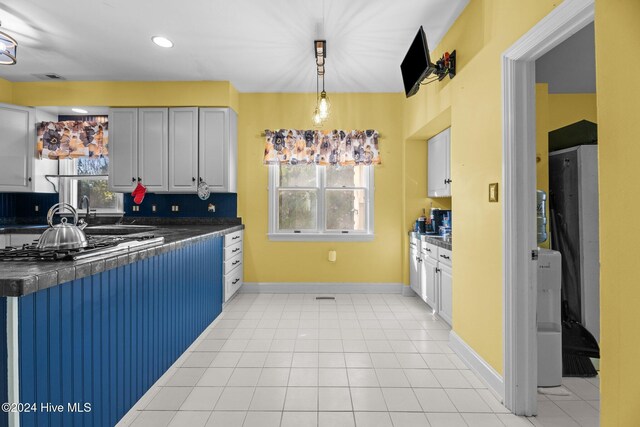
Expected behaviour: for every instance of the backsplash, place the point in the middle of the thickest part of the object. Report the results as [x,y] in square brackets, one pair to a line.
[190,205]
[22,205]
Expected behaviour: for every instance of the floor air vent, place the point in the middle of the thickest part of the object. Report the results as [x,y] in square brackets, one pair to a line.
[326,298]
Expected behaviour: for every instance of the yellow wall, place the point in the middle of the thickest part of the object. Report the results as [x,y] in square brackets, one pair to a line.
[6,91]
[266,261]
[617,35]
[568,108]
[484,30]
[124,94]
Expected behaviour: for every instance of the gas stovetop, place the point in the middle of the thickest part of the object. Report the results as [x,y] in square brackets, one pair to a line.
[97,246]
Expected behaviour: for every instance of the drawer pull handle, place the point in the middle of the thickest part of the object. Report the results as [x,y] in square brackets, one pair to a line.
[445,256]
[235,237]
[235,250]
[235,281]
[427,249]
[235,262]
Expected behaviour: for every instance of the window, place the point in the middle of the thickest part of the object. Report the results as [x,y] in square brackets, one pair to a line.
[90,180]
[330,203]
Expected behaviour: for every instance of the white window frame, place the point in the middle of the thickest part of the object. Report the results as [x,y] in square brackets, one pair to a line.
[68,190]
[320,234]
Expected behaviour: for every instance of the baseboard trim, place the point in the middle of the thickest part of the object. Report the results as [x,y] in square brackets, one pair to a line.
[321,287]
[408,292]
[478,365]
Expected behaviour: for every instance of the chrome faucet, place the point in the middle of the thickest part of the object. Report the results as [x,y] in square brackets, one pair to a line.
[84,203]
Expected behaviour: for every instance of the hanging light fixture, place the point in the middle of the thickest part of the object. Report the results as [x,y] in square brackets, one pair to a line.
[316,118]
[323,106]
[8,49]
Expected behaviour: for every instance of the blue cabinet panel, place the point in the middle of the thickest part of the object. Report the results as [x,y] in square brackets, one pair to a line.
[107,338]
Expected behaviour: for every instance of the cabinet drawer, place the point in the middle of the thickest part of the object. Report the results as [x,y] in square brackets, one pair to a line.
[232,238]
[444,256]
[430,250]
[232,283]
[233,250]
[232,264]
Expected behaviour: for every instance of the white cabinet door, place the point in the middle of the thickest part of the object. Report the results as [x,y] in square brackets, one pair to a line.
[439,165]
[446,293]
[153,148]
[414,272]
[218,149]
[123,149]
[430,279]
[183,149]
[17,145]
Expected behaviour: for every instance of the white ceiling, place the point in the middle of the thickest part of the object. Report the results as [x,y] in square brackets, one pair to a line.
[570,67]
[258,45]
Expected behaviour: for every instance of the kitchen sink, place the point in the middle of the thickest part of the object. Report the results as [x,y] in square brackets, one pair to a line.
[117,229]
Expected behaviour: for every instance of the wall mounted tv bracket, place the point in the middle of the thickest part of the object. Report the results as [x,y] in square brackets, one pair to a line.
[446,66]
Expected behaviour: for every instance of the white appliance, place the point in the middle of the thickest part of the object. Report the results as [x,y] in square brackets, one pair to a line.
[549,320]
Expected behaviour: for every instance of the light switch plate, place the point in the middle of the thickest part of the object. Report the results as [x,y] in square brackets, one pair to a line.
[493,192]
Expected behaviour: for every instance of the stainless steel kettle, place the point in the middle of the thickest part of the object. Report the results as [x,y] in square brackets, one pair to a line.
[63,235]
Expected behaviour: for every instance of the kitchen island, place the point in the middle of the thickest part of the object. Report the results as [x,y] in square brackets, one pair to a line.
[84,340]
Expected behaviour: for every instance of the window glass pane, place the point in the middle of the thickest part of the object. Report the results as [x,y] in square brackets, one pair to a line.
[298,176]
[297,209]
[97,191]
[96,166]
[346,210]
[346,176]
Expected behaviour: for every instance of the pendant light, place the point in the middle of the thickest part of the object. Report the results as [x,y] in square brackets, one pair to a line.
[316,118]
[8,49]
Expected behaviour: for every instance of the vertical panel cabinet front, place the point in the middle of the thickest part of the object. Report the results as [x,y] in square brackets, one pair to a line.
[123,149]
[414,272]
[183,149]
[429,268]
[153,148]
[17,136]
[218,149]
[446,293]
[439,165]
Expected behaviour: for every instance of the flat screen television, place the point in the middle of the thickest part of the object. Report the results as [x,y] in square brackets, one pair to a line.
[416,64]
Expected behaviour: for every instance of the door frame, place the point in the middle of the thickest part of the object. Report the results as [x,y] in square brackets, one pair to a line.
[519,205]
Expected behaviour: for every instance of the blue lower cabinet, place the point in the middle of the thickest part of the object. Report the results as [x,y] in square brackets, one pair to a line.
[96,345]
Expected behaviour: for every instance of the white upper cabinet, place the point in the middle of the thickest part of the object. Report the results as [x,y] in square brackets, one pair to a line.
[183,149]
[17,145]
[123,149]
[439,165]
[171,149]
[218,149]
[153,148]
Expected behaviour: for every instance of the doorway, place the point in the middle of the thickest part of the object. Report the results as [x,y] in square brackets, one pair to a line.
[519,195]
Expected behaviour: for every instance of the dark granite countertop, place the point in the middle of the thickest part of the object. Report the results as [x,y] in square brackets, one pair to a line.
[433,239]
[22,229]
[19,278]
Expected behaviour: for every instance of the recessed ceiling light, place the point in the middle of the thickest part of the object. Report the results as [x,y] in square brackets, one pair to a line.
[162,41]
[79,110]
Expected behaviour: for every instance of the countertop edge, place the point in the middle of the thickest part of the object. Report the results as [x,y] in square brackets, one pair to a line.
[21,286]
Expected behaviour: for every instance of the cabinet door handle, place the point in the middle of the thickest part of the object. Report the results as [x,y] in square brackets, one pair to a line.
[437,270]
[133,179]
[199,179]
[29,179]
[139,179]
[235,250]
[193,179]
[427,249]
[447,181]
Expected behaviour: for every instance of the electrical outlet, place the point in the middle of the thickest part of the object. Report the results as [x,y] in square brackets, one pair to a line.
[136,209]
[177,208]
[36,208]
[154,208]
[211,207]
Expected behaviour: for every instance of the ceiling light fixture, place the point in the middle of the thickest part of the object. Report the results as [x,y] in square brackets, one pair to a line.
[162,41]
[79,111]
[8,49]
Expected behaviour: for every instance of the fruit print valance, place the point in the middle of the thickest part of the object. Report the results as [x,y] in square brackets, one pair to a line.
[321,147]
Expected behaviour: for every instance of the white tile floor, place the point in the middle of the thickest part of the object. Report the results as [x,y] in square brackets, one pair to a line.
[361,360]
